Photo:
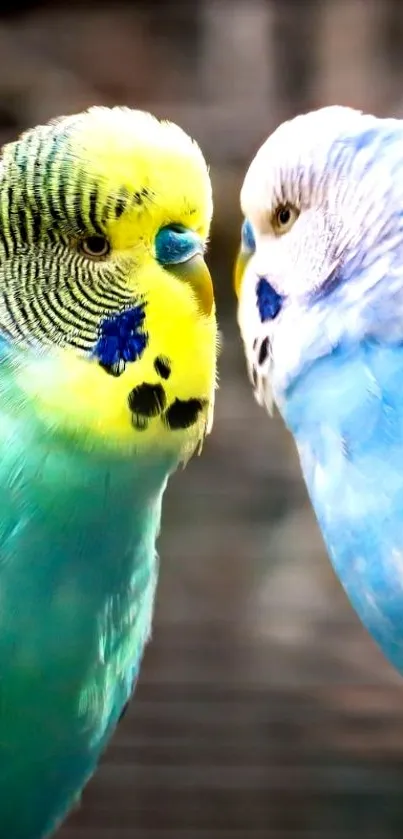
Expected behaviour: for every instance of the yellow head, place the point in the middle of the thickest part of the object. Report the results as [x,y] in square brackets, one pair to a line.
[103,285]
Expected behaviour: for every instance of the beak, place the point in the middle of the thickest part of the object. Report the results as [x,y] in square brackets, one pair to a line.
[195,272]
[241,263]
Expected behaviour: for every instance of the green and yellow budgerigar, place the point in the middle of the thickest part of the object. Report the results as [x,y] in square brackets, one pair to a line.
[108,344]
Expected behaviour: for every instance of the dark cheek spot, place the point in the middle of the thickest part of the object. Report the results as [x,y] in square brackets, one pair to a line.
[140,423]
[147,400]
[263,351]
[183,414]
[162,366]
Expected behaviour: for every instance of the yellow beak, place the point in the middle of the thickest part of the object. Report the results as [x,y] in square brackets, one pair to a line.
[241,262]
[195,272]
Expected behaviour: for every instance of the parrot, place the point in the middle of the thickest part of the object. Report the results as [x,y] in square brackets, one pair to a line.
[108,356]
[318,280]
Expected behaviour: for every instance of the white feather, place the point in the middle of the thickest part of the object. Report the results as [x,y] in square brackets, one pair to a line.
[341,169]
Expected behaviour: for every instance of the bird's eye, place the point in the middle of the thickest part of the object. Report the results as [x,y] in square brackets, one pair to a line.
[248,237]
[175,244]
[95,247]
[284,218]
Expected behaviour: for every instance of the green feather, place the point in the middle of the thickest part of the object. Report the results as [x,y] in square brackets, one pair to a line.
[78,575]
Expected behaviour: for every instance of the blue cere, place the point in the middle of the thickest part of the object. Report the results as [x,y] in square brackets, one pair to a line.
[175,244]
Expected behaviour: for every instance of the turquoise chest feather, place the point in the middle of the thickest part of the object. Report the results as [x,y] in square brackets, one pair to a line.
[77,580]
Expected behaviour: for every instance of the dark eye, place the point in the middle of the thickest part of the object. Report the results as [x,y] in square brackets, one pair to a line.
[94,247]
[284,218]
[175,244]
[284,215]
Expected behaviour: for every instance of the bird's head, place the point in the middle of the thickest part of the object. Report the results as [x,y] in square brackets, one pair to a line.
[322,232]
[104,291]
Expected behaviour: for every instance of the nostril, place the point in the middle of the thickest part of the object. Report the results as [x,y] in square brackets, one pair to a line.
[269,301]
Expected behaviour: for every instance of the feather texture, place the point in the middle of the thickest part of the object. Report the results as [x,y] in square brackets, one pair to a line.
[333,359]
[107,377]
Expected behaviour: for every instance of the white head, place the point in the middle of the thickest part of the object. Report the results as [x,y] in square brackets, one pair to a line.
[323,208]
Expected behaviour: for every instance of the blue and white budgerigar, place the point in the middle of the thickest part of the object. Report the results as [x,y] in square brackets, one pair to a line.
[108,345]
[319,280]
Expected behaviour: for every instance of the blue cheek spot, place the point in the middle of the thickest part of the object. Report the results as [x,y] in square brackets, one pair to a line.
[269,302]
[121,339]
[248,237]
[175,244]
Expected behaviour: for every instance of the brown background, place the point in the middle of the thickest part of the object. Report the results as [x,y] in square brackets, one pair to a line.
[263,708]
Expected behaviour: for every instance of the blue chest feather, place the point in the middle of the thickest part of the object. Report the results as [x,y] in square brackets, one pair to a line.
[77,582]
[347,417]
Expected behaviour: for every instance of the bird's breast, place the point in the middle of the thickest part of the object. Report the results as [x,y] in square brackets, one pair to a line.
[77,582]
[347,419]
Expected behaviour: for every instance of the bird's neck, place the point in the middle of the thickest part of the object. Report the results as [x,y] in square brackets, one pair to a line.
[330,390]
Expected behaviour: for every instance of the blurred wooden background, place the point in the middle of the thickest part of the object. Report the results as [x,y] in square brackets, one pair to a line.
[263,709]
